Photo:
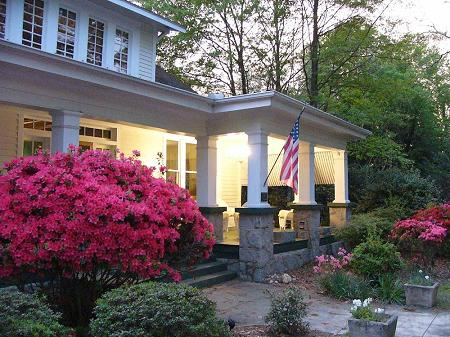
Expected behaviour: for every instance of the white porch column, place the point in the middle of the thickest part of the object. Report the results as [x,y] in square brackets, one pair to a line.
[340,177]
[306,183]
[257,194]
[65,130]
[207,171]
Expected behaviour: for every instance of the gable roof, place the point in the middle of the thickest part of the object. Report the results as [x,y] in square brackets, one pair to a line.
[149,15]
[163,77]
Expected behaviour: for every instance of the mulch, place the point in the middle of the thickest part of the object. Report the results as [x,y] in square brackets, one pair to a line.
[261,331]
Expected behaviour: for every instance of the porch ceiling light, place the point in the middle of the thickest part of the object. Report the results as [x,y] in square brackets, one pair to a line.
[239,152]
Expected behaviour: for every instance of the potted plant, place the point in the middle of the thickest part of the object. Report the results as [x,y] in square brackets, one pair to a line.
[369,322]
[421,290]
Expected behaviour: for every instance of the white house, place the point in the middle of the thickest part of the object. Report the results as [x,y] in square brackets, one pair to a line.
[84,72]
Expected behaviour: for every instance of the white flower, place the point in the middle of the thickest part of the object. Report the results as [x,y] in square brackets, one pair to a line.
[427,277]
[357,303]
[369,300]
[353,308]
[421,271]
[379,311]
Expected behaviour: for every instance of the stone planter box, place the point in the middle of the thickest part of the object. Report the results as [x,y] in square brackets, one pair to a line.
[422,296]
[362,328]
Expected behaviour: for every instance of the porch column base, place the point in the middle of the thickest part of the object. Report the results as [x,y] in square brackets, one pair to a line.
[255,243]
[340,214]
[307,225]
[215,216]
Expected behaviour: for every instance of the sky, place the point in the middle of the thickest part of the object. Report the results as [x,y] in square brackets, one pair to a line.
[419,16]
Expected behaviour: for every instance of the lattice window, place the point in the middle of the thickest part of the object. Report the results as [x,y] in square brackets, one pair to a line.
[33,20]
[95,42]
[67,22]
[121,51]
[2,18]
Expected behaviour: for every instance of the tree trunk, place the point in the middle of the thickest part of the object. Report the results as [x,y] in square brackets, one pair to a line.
[314,80]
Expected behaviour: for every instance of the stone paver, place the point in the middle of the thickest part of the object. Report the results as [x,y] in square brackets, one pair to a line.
[247,303]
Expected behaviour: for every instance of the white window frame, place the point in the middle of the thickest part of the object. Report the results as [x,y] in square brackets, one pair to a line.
[130,37]
[43,33]
[75,38]
[105,40]
[6,20]
[182,141]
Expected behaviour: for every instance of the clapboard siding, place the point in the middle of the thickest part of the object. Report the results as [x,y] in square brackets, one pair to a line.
[8,134]
[229,182]
[147,55]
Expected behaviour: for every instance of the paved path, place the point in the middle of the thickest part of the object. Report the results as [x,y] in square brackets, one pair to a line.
[247,303]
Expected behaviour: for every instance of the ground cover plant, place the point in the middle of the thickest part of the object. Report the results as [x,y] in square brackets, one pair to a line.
[84,223]
[157,310]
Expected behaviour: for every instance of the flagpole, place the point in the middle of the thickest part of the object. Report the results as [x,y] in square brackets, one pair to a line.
[279,154]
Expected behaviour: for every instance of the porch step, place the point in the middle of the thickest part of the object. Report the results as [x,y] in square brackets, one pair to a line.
[209,267]
[210,279]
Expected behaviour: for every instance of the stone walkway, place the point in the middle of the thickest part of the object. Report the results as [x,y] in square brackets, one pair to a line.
[247,303]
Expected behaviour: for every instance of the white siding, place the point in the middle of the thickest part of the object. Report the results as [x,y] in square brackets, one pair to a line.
[8,133]
[147,55]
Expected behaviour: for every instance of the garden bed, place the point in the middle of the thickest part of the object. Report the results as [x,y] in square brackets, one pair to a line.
[261,331]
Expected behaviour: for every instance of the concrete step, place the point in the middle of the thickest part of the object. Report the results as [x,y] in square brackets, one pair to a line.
[210,279]
[209,267]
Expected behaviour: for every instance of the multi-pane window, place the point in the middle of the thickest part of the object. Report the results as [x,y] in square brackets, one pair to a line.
[36,124]
[2,18]
[95,42]
[67,21]
[172,162]
[31,147]
[33,19]
[94,132]
[191,169]
[121,51]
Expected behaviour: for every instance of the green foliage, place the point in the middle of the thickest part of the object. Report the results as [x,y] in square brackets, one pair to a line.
[287,314]
[390,289]
[156,310]
[25,315]
[421,278]
[374,258]
[404,190]
[344,286]
[358,229]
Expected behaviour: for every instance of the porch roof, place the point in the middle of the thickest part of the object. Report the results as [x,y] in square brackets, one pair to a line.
[107,95]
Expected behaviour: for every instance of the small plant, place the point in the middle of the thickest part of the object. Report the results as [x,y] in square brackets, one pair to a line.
[344,286]
[374,257]
[420,278]
[363,310]
[287,314]
[157,310]
[330,264]
[25,315]
[390,289]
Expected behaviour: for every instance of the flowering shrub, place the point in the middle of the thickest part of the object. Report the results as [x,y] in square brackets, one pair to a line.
[330,264]
[363,310]
[86,223]
[439,215]
[424,233]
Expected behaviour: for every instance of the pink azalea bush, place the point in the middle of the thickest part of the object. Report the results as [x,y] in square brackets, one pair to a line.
[424,233]
[329,264]
[86,223]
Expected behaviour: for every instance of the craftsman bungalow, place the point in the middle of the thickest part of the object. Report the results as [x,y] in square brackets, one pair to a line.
[84,72]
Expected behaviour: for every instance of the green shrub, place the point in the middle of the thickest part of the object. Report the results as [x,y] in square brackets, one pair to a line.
[156,310]
[25,315]
[287,313]
[403,189]
[390,289]
[358,229]
[374,257]
[344,286]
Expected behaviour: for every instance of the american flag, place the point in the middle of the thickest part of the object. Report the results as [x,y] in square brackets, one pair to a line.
[289,167]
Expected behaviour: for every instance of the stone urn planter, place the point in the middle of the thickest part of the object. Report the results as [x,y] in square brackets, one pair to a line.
[364,328]
[421,295]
